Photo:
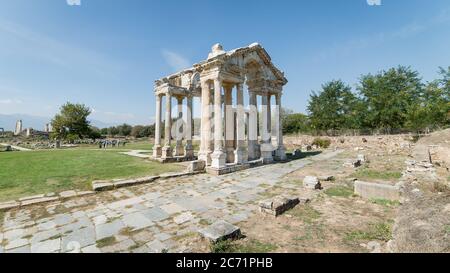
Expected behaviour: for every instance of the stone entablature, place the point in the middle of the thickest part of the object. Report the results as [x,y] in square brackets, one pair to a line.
[225,139]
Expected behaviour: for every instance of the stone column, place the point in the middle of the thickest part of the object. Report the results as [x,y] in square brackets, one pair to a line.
[269,117]
[179,150]
[241,155]
[266,147]
[253,127]
[205,147]
[167,149]
[280,153]
[157,149]
[218,158]
[229,123]
[189,149]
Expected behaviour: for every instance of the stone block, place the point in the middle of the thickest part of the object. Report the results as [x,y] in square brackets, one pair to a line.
[38,201]
[102,186]
[196,166]
[327,178]
[312,182]
[68,194]
[353,163]
[377,191]
[361,158]
[220,231]
[278,205]
[9,205]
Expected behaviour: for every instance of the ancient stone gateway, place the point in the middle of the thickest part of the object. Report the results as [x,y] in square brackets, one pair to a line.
[230,138]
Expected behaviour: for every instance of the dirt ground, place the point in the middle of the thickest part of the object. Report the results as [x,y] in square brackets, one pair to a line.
[336,220]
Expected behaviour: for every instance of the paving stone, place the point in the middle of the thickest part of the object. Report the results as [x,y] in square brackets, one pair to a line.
[100,220]
[183,218]
[143,236]
[44,235]
[136,221]
[122,246]
[68,194]
[90,249]
[14,234]
[49,246]
[155,214]
[162,236]
[63,219]
[156,246]
[16,243]
[78,238]
[23,249]
[108,229]
[172,208]
[46,225]
[125,202]
[141,249]
[219,231]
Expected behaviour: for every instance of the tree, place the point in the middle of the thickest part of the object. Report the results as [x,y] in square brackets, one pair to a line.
[136,131]
[334,107]
[295,123]
[124,129]
[72,122]
[388,97]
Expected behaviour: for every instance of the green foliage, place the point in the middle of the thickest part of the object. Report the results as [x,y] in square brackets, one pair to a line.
[380,231]
[71,123]
[339,191]
[365,173]
[389,95]
[250,246]
[334,108]
[322,142]
[295,123]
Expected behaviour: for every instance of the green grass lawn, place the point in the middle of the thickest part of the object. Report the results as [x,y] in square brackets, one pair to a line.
[29,173]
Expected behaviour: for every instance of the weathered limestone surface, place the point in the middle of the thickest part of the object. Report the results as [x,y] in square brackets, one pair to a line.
[312,182]
[278,205]
[224,138]
[377,191]
[220,231]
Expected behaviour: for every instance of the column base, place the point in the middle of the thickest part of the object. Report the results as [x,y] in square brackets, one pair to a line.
[189,152]
[167,152]
[157,151]
[230,155]
[280,153]
[240,156]
[253,150]
[266,153]
[218,160]
[205,156]
[179,150]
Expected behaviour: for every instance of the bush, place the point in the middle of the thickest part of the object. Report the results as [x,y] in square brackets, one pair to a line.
[322,142]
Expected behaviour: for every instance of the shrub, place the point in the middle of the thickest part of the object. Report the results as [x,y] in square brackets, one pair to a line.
[322,142]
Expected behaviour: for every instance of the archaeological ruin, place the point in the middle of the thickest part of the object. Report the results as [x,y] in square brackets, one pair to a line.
[230,138]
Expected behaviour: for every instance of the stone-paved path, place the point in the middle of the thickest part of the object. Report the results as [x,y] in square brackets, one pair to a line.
[144,218]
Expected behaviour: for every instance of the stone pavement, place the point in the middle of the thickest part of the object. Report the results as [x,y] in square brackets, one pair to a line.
[144,218]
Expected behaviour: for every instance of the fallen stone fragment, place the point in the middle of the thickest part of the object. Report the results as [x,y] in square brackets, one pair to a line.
[353,163]
[326,178]
[278,205]
[102,186]
[196,166]
[220,231]
[361,158]
[377,191]
[312,182]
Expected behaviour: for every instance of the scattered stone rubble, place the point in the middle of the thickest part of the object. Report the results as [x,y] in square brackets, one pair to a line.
[220,231]
[312,182]
[280,204]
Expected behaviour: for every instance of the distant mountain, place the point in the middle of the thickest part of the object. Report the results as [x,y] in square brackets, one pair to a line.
[8,122]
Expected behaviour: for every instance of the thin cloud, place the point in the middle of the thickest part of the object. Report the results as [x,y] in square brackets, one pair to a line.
[36,45]
[175,60]
[10,101]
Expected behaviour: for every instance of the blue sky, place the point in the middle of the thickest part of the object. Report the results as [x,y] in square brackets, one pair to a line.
[107,53]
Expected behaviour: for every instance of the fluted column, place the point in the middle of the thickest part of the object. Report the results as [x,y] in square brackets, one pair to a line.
[241,155]
[205,150]
[280,153]
[266,146]
[253,127]
[188,149]
[218,157]
[179,151]
[157,149]
[167,149]
[229,123]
